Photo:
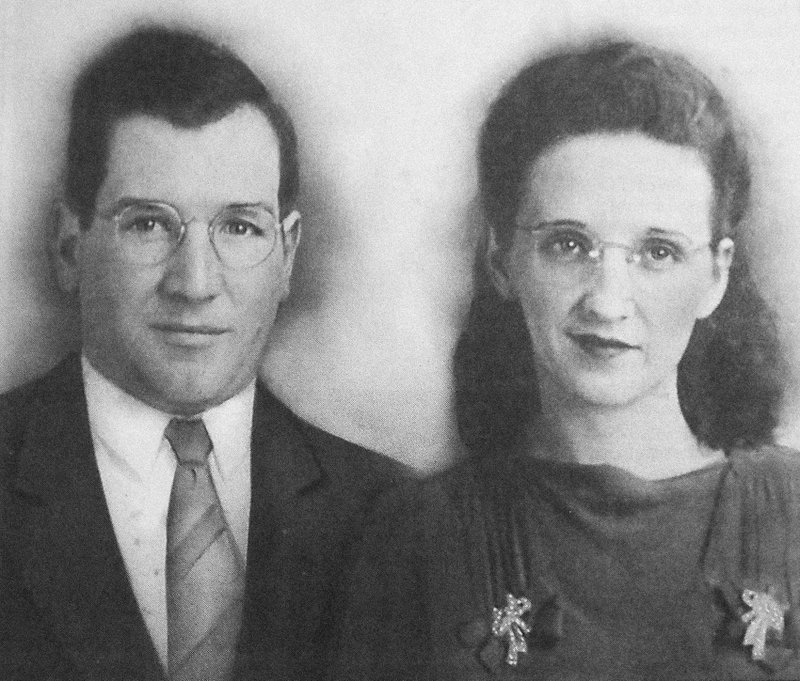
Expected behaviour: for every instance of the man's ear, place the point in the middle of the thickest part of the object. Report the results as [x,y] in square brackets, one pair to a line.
[496,267]
[291,229]
[723,258]
[64,245]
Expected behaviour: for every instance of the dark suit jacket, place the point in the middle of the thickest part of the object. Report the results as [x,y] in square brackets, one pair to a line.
[67,610]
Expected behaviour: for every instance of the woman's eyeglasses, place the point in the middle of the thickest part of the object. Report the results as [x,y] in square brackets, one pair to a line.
[570,247]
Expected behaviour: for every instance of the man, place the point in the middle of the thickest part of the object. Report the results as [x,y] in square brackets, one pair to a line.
[164,516]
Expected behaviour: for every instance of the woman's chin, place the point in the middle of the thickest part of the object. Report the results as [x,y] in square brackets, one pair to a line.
[609,389]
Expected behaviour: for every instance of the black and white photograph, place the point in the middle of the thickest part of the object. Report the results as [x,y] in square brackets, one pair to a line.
[364,340]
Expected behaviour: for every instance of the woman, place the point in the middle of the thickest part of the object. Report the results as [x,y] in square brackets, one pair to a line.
[624,513]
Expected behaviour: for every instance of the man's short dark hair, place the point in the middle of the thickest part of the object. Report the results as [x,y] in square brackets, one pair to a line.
[174,75]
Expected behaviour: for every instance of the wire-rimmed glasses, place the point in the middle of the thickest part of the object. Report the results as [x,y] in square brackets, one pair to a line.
[570,247]
[149,232]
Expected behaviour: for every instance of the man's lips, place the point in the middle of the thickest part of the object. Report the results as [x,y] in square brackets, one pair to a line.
[191,329]
[597,343]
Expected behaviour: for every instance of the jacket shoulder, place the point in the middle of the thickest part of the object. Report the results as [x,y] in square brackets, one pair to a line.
[62,384]
[19,404]
[341,459]
[64,381]
[335,451]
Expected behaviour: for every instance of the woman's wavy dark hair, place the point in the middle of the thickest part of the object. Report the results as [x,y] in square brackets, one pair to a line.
[729,379]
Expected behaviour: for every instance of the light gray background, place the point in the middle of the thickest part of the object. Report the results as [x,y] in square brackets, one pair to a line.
[387,97]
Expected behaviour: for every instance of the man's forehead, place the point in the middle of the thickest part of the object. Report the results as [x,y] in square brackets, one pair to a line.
[233,159]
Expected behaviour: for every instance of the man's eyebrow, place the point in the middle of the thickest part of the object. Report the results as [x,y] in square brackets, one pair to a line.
[562,222]
[249,206]
[127,201]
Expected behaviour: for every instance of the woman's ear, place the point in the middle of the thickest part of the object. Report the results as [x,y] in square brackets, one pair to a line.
[496,266]
[64,245]
[723,258]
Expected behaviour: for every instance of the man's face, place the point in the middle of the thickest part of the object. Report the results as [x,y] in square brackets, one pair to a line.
[186,333]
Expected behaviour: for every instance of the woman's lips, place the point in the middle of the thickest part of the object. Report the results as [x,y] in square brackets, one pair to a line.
[191,328]
[601,346]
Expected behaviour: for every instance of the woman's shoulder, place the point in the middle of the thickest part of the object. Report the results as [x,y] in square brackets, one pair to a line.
[768,462]
[754,539]
[424,510]
[418,497]
[760,493]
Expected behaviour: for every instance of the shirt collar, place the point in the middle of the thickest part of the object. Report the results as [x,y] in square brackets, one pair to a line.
[230,426]
[132,431]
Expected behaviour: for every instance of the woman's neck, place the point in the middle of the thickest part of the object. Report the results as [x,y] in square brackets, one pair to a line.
[648,438]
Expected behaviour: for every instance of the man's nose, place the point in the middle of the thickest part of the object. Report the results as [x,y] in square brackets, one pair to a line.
[193,271]
[609,293]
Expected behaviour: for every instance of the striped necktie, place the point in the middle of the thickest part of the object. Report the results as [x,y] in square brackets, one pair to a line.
[205,570]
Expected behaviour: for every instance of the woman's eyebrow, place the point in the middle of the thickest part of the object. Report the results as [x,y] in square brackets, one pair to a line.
[660,231]
[648,230]
[126,201]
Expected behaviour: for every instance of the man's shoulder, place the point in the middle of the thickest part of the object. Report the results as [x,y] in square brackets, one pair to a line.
[335,451]
[17,406]
[342,461]
[62,381]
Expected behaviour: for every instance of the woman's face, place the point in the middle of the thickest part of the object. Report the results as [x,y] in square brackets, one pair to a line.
[611,262]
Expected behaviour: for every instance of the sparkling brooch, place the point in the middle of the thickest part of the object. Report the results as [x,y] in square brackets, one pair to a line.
[765,614]
[507,623]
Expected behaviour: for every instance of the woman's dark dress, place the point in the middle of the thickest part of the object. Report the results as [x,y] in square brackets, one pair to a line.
[627,578]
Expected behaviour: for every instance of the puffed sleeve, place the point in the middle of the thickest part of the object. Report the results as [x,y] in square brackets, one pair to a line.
[754,541]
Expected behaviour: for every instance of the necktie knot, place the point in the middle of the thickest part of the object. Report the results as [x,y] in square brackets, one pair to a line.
[189,438]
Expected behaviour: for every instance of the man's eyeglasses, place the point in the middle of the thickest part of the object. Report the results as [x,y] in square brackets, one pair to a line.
[570,247]
[242,235]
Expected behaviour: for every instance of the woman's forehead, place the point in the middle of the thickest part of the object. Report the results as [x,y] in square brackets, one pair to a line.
[621,181]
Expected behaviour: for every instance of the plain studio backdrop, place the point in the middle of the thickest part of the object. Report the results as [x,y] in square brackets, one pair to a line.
[387,98]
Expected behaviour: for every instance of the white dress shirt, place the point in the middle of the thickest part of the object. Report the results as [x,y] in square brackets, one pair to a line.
[137,465]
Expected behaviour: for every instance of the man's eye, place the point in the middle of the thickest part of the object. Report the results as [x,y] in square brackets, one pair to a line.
[240,228]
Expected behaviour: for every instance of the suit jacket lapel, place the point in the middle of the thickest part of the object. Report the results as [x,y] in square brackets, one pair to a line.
[283,470]
[73,565]
[282,467]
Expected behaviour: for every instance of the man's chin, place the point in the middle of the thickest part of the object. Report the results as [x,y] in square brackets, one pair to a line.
[186,388]
[178,379]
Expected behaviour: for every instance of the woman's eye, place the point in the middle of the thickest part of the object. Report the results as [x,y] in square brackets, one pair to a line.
[146,225]
[661,252]
[566,244]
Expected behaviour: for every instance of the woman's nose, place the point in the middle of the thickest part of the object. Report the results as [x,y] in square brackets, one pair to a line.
[610,287]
